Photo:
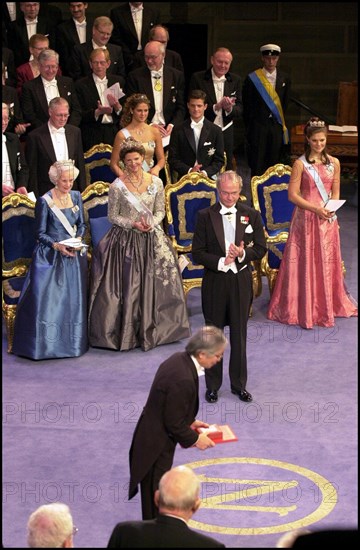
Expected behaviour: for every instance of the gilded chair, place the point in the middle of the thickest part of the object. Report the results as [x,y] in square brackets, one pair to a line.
[270,197]
[18,243]
[97,164]
[95,201]
[183,200]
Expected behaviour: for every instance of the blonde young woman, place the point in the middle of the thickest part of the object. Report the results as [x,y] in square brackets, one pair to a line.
[134,124]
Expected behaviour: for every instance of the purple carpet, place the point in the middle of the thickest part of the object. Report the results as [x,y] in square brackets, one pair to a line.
[67,426]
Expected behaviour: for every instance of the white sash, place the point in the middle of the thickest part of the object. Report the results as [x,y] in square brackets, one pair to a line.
[137,204]
[318,182]
[61,217]
[127,134]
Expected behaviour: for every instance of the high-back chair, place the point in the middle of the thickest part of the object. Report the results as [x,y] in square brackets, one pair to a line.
[183,200]
[97,164]
[270,197]
[95,200]
[18,243]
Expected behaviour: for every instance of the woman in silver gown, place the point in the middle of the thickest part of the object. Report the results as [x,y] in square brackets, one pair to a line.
[136,292]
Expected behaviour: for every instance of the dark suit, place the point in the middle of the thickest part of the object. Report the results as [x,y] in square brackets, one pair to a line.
[124,33]
[18,167]
[182,148]
[18,38]
[162,532]
[93,131]
[171,59]
[202,80]
[35,106]
[10,96]
[170,409]
[40,155]
[264,135]
[79,65]
[8,59]
[67,38]
[227,297]
[139,81]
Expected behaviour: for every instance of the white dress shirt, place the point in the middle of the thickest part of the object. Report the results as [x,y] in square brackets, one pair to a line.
[59,142]
[158,117]
[51,88]
[137,15]
[219,92]
[81,30]
[102,86]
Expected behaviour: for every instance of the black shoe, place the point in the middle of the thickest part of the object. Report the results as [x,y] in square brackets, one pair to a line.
[211,396]
[243,395]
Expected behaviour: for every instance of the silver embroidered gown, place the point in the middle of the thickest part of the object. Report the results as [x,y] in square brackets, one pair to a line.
[136,292]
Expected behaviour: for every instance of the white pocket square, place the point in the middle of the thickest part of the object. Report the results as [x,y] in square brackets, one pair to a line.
[207,143]
[249,229]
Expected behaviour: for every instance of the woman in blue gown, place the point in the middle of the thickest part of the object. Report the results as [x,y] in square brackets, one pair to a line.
[51,317]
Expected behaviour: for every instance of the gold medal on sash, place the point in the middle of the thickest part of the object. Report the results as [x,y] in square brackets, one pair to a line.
[158,86]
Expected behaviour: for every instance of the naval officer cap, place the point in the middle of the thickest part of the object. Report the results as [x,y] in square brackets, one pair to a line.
[270,49]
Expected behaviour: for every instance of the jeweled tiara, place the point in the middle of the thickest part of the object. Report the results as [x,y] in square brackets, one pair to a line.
[317,123]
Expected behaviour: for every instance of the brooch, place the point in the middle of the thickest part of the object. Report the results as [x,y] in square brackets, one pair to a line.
[330,168]
[151,189]
[75,208]
[244,219]
[211,151]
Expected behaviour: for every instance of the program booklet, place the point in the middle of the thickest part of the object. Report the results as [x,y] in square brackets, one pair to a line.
[219,433]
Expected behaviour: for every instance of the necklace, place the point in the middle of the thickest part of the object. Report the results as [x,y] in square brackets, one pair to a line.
[63,201]
[139,183]
[139,132]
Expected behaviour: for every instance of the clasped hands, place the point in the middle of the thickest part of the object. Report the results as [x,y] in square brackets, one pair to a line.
[142,225]
[226,103]
[323,213]
[107,109]
[234,252]
[203,442]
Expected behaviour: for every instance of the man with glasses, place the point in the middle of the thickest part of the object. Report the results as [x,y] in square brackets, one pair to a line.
[51,526]
[79,66]
[163,85]
[169,415]
[38,92]
[52,141]
[228,236]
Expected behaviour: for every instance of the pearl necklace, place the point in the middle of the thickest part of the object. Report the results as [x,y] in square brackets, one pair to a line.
[137,187]
[139,132]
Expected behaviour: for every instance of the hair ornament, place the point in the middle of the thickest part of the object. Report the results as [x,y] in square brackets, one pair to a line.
[317,124]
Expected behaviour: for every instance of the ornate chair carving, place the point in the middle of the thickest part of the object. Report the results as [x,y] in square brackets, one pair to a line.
[183,200]
[270,197]
[97,164]
[95,201]
[18,233]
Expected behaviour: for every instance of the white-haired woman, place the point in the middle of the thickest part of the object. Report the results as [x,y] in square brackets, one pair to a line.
[51,313]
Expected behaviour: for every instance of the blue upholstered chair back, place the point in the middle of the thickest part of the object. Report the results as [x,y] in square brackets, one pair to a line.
[97,164]
[18,240]
[270,197]
[183,200]
[95,201]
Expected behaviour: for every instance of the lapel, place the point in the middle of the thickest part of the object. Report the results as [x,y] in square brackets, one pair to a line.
[70,141]
[12,154]
[204,134]
[128,18]
[39,91]
[73,32]
[189,134]
[47,144]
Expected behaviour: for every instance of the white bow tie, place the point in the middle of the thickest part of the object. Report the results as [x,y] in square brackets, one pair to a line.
[219,80]
[83,24]
[196,124]
[228,211]
[101,82]
[51,83]
[134,10]
[58,130]
[31,22]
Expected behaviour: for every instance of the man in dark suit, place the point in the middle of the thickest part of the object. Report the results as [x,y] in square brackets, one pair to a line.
[227,237]
[73,32]
[15,172]
[9,64]
[164,86]
[177,498]
[132,24]
[223,92]
[101,33]
[172,59]
[169,415]
[52,141]
[196,145]
[37,93]
[40,21]
[11,98]
[100,111]
[266,94]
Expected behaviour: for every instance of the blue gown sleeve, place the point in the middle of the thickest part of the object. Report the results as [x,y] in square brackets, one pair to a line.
[41,222]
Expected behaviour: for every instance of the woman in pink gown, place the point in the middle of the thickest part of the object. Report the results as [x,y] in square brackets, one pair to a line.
[310,288]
